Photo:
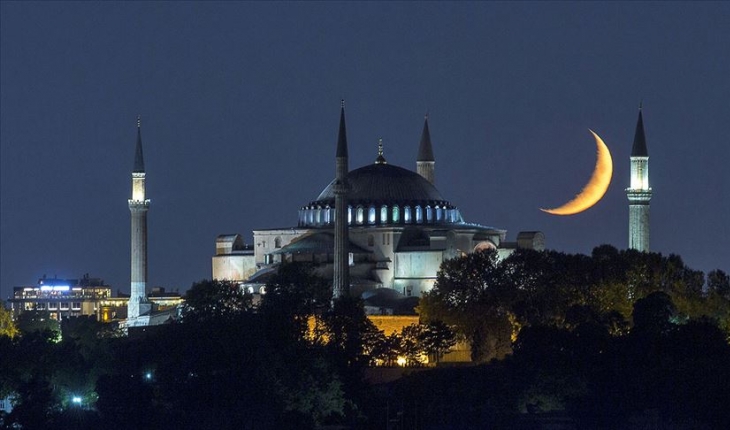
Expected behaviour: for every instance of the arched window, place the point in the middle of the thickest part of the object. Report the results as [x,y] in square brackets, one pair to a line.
[371,215]
[384,214]
[429,214]
[360,218]
[407,214]
[310,216]
[277,242]
[419,214]
[349,215]
[396,215]
[318,215]
[439,214]
[327,215]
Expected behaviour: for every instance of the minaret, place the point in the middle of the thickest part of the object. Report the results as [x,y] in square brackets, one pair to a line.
[341,284]
[425,164]
[639,193]
[138,206]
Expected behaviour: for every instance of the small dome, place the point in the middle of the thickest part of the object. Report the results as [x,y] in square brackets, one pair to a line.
[385,184]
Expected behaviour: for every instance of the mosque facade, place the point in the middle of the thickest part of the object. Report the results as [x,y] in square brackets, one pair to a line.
[399,230]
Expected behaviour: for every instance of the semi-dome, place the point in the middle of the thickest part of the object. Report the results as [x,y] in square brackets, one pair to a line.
[380,194]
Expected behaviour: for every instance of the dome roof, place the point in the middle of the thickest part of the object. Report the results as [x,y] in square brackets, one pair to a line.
[386,184]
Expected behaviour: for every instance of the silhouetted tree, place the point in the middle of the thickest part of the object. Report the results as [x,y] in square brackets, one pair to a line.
[215,300]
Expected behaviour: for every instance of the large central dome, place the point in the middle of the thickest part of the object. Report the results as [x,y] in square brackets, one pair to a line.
[382,194]
[385,183]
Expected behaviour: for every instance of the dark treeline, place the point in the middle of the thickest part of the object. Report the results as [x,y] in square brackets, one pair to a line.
[618,339]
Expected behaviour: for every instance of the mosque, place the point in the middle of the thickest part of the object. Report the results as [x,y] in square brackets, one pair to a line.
[400,229]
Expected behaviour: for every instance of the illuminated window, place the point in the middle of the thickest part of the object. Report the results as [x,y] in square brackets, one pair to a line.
[419,214]
[384,214]
[371,215]
[429,214]
[396,214]
[407,214]
[439,214]
[327,215]
[351,259]
[360,215]
[76,306]
[318,216]
[349,215]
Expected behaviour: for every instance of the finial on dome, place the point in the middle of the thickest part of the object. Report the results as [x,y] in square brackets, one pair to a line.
[139,121]
[380,159]
[641,103]
[342,103]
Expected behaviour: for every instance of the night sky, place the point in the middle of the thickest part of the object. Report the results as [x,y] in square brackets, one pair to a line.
[240,106]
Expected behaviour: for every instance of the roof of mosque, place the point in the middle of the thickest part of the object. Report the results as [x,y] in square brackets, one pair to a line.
[384,184]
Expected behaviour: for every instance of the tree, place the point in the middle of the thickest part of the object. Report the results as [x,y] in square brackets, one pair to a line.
[39,321]
[473,294]
[437,338]
[653,314]
[295,294]
[718,282]
[7,326]
[213,300]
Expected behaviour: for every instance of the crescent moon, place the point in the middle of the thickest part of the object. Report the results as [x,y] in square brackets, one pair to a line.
[596,186]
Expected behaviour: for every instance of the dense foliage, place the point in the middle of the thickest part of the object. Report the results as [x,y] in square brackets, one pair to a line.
[617,339]
[489,300]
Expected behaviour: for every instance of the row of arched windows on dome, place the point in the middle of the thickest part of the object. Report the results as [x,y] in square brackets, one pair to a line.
[372,215]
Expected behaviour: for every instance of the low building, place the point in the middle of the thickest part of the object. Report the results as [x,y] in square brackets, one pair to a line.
[61,298]
[65,298]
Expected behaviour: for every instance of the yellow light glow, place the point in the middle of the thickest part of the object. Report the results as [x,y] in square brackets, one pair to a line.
[596,187]
[401,361]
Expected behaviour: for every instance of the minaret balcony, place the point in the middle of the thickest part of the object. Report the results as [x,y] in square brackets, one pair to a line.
[139,203]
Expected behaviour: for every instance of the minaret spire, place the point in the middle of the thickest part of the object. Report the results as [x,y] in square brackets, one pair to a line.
[138,157]
[138,206]
[341,281]
[426,163]
[639,193]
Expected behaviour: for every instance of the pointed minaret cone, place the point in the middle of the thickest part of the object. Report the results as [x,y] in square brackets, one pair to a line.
[639,148]
[425,163]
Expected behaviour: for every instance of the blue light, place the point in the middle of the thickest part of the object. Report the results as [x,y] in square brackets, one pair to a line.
[76,400]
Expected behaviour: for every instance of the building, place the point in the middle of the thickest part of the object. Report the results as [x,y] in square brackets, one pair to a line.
[639,193]
[399,229]
[62,298]
[67,298]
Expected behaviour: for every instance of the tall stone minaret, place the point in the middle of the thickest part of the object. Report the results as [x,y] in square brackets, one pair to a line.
[639,193]
[138,206]
[341,284]
[425,164]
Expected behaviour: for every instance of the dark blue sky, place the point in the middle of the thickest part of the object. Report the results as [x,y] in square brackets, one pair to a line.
[239,105]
